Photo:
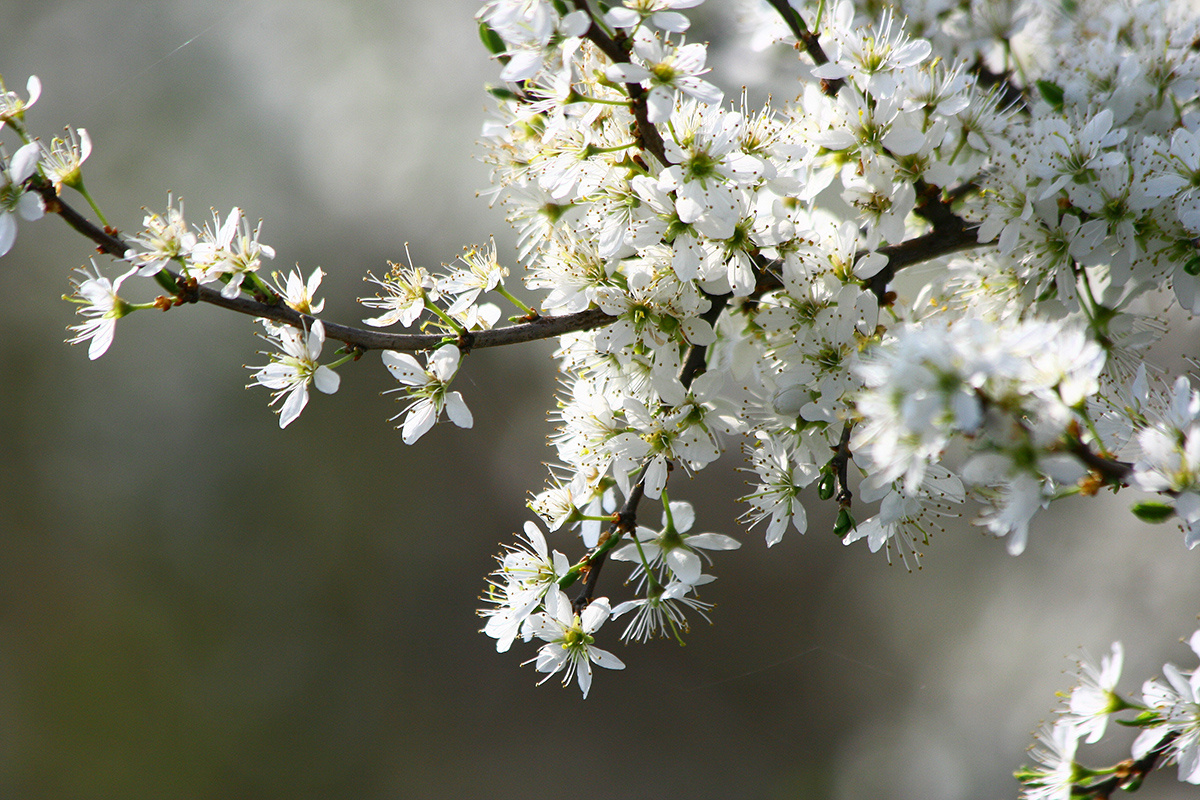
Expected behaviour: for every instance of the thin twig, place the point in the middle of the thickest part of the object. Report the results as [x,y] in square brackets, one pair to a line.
[808,40]
[626,522]
[361,338]
[694,360]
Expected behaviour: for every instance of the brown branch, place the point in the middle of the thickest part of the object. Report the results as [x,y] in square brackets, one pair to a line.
[1112,471]
[626,523]
[647,132]
[108,241]
[954,236]
[840,462]
[1129,774]
[808,40]
[694,361]
[626,518]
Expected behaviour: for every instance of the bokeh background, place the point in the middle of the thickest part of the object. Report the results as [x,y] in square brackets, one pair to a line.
[195,604]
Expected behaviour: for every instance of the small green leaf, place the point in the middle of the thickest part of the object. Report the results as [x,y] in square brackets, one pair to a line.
[826,486]
[1153,511]
[491,40]
[1052,93]
[845,523]
[501,93]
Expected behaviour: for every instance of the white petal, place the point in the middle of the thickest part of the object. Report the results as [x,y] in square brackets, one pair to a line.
[405,368]
[595,615]
[656,477]
[551,658]
[102,339]
[8,232]
[659,104]
[534,534]
[585,678]
[34,87]
[605,658]
[523,64]
[327,380]
[575,24]
[419,420]
[296,400]
[713,541]
[685,564]
[622,18]
[627,73]
[671,21]
[24,161]
[444,362]
[85,145]
[456,409]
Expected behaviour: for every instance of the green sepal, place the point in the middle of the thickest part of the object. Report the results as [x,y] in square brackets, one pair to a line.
[1192,267]
[1142,720]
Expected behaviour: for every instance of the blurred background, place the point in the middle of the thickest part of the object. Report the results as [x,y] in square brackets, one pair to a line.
[195,604]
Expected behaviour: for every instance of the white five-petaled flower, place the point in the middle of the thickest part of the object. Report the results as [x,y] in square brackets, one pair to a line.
[664,71]
[298,293]
[14,199]
[673,546]
[1169,461]
[431,388]
[102,306]
[527,571]
[164,239]
[12,106]
[659,13]
[1095,698]
[290,372]
[661,611]
[483,274]
[570,644]
[870,56]
[781,476]
[1058,771]
[1177,704]
[407,289]
[62,161]
[229,250]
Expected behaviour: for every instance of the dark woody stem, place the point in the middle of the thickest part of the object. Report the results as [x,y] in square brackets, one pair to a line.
[951,235]
[626,518]
[626,523]
[808,41]
[922,248]
[647,133]
[841,462]
[109,242]
[1128,775]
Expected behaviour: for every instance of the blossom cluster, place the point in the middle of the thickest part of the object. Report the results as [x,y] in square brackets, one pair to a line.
[745,277]
[1167,716]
